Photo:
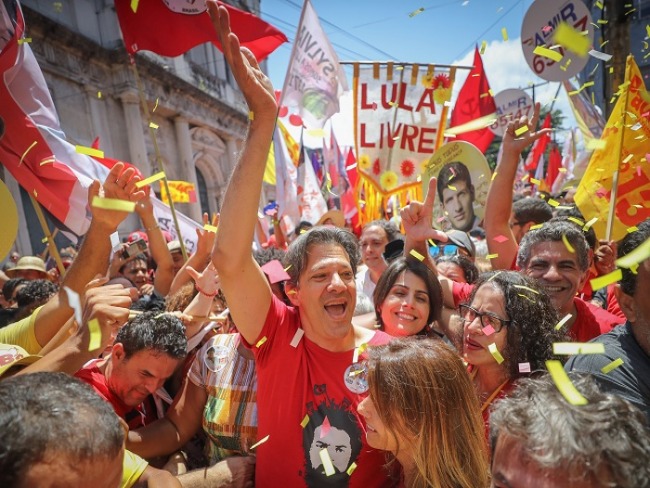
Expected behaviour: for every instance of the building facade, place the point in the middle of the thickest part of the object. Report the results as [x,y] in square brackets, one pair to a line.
[200,115]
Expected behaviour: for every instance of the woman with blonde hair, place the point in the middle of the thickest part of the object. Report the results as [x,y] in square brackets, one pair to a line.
[423,409]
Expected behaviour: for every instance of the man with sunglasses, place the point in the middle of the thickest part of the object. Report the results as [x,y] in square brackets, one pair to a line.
[458,243]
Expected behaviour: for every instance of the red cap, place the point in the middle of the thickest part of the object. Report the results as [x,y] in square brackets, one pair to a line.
[136,236]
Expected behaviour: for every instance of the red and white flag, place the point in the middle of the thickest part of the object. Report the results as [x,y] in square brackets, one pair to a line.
[172,27]
[315,80]
[539,147]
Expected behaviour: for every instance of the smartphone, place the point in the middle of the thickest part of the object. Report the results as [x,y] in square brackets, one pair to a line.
[134,248]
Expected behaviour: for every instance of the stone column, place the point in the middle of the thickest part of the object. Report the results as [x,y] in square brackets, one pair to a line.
[135,133]
[186,160]
[100,127]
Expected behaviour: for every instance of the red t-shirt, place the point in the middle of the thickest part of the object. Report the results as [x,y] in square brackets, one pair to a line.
[307,402]
[461,292]
[591,321]
[91,374]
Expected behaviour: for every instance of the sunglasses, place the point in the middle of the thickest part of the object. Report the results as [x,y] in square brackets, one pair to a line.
[447,250]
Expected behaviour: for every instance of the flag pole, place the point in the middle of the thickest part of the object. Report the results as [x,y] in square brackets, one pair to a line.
[614,195]
[54,252]
[159,160]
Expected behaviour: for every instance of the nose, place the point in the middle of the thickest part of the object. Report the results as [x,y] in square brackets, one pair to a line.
[361,408]
[408,300]
[552,273]
[336,283]
[475,325]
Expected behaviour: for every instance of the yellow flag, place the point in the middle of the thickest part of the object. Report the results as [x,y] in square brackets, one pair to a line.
[181,191]
[269,170]
[625,145]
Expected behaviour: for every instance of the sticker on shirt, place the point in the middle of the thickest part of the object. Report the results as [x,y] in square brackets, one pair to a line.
[216,358]
[355,378]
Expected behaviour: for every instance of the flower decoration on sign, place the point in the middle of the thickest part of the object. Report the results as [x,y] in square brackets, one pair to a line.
[427,80]
[407,168]
[388,180]
[441,89]
[424,166]
[376,168]
[364,162]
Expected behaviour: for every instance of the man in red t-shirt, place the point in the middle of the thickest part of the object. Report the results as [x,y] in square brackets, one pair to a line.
[308,356]
[146,352]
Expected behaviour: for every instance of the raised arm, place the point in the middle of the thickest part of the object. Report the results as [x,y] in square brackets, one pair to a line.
[244,284]
[93,255]
[498,205]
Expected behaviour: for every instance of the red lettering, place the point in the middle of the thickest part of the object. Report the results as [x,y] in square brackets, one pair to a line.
[426,145]
[402,98]
[410,133]
[426,100]
[362,137]
[364,97]
[385,102]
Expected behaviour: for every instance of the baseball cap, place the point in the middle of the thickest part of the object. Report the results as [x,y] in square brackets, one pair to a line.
[136,236]
[11,355]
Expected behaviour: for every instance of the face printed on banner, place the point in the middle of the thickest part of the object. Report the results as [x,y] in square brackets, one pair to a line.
[458,205]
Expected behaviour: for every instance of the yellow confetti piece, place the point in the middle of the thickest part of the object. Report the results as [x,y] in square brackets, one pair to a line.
[492,256]
[351,469]
[608,368]
[50,160]
[599,5]
[548,53]
[634,228]
[563,383]
[327,462]
[251,116]
[504,33]
[44,239]
[495,353]
[590,223]
[95,341]
[89,151]
[536,226]
[553,203]
[26,151]
[535,181]
[451,187]
[573,348]
[305,421]
[637,256]
[153,126]
[99,95]
[316,132]
[483,47]
[494,275]
[431,243]
[134,5]
[358,351]
[522,287]
[25,40]
[155,106]
[288,268]
[572,39]
[494,175]
[595,144]
[416,12]
[261,342]
[210,228]
[608,279]
[153,178]
[564,320]
[567,244]
[521,130]
[260,442]
[576,221]
[416,255]
[113,204]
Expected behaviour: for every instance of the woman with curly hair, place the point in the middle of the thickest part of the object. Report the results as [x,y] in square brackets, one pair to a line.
[408,298]
[422,408]
[508,331]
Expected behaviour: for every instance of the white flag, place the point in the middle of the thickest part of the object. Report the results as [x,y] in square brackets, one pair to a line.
[188,227]
[314,80]
[286,178]
[311,201]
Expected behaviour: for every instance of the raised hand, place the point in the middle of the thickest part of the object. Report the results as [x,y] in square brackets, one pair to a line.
[512,143]
[206,238]
[254,84]
[417,217]
[207,282]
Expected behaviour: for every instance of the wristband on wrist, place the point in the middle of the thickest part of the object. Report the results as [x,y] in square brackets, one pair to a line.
[148,229]
[209,295]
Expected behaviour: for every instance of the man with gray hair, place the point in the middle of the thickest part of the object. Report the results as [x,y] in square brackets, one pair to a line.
[539,439]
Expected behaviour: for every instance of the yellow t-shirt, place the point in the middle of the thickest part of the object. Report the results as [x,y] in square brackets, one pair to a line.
[133,467]
[22,334]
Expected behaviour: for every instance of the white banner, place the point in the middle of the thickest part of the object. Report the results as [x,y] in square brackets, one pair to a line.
[188,226]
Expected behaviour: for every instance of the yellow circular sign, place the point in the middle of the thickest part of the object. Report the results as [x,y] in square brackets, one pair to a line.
[463,181]
[9,216]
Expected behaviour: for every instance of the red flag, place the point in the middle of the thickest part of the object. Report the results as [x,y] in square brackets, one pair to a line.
[172,27]
[554,165]
[538,147]
[474,101]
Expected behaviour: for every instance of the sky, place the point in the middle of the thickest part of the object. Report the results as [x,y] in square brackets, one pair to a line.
[445,32]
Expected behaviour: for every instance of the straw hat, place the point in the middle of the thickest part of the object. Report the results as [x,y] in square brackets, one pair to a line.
[336,216]
[28,262]
[11,356]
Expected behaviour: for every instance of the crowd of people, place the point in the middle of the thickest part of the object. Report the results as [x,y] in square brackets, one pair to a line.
[396,358]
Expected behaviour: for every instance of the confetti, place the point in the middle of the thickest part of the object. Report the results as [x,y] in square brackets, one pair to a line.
[26,151]
[564,320]
[155,105]
[158,176]
[494,275]
[316,132]
[492,256]
[89,151]
[296,338]
[594,144]
[25,40]
[251,116]
[325,427]
[50,160]
[416,12]
[488,330]
[637,256]
[522,287]
[608,368]
[548,53]
[74,303]
[327,462]
[501,239]
[494,175]
[573,348]
[95,341]
[260,343]
[563,383]
[495,353]
[261,441]
[599,55]
[451,187]
[115,240]
[634,228]
[504,33]
[113,204]
[524,367]
[210,228]
[483,46]
[153,126]
[358,351]
[553,203]
[535,181]
[535,227]
[416,255]
[567,244]
[134,5]
[305,421]
[351,469]
[576,221]
[590,223]
[521,130]
[608,279]
[572,39]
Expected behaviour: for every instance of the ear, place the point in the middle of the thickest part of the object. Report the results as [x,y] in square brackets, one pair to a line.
[585,273]
[292,293]
[117,351]
[626,302]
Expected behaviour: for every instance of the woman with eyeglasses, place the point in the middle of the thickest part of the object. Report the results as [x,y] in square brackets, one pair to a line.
[422,409]
[408,298]
[508,332]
